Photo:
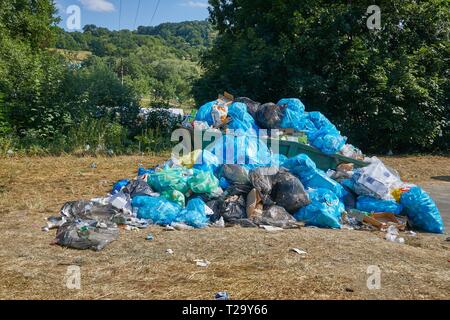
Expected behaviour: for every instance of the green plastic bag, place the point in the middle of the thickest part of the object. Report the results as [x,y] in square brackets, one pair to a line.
[175,196]
[203,182]
[170,179]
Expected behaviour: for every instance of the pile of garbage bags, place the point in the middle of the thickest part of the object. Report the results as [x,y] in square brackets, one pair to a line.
[265,189]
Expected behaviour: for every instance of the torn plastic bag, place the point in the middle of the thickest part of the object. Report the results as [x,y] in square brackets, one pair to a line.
[234,173]
[170,179]
[269,116]
[118,186]
[195,214]
[175,196]
[88,210]
[262,179]
[233,208]
[324,211]
[252,106]
[138,188]
[288,192]
[121,201]
[203,182]
[372,205]
[276,216]
[85,235]
[157,209]
[219,114]
[240,118]
[422,211]
[375,180]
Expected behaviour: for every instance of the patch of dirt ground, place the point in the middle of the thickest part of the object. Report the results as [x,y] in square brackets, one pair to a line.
[248,263]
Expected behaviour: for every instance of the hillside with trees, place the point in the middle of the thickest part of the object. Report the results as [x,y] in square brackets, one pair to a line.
[67,91]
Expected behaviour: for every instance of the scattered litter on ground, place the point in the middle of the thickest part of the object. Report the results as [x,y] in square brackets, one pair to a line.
[169,251]
[202,263]
[315,178]
[392,235]
[271,228]
[149,237]
[222,295]
[299,251]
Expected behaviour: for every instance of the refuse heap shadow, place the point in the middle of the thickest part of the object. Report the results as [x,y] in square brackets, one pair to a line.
[441,178]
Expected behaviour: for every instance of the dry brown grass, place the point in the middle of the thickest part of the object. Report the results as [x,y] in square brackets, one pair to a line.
[248,263]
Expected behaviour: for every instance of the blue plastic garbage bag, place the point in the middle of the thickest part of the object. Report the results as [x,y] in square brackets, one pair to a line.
[330,143]
[194,214]
[305,169]
[422,211]
[118,186]
[142,171]
[324,211]
[209,162]
[321,180]
[293,104]
[157,209]
[204,113]
[278,160]
[241,149]
[349,183]
[293,112]
[302,166]
[240,118]
[370,204]
[326,137]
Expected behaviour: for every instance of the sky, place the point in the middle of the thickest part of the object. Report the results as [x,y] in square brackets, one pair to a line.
[105,13]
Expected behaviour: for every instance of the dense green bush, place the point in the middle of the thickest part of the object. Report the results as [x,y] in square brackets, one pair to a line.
[386,89]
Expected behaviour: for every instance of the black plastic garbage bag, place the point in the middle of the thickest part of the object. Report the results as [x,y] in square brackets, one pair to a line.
[235,174]
[262,178]
[252,106]
[288,192]
[138,188]
[88,210]
[233,208]
[238,190]
[85,235]
[269,116]
[276,216]
[216,206]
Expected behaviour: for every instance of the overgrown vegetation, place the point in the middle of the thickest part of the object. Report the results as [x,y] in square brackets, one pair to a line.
[81,91]
[387,89]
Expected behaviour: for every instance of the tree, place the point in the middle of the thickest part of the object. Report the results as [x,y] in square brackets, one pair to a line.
[387,89]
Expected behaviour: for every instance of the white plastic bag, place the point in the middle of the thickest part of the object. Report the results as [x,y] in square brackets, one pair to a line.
[376,180]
